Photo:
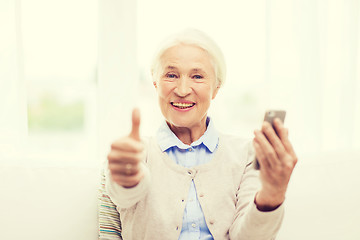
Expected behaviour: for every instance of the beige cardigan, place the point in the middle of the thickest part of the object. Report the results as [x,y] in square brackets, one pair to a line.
[226,187]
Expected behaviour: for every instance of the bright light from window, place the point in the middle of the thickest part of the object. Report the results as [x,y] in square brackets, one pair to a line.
[60,58]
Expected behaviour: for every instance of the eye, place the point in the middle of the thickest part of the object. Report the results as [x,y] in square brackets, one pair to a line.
[171,75]
[197,76]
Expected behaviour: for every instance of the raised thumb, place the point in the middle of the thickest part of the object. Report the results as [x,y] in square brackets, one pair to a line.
[135,130]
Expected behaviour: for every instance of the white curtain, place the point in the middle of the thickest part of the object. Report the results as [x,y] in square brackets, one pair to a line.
[36,54]
[117,70]
[301,56]
[13,120]
[314,67]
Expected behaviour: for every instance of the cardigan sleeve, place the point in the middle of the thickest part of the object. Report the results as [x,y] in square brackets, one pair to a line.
[249,222]
[128,197]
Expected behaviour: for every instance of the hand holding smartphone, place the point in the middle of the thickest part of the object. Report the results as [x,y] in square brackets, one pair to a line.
[269,117]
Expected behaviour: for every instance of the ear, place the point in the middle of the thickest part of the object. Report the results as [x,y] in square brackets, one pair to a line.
[216,90]
[153,77]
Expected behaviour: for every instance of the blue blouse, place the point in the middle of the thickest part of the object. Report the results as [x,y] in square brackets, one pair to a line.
[199,152]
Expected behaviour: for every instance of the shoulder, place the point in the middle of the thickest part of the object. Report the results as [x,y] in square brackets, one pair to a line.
[231,141]
[151,147]
[237,146]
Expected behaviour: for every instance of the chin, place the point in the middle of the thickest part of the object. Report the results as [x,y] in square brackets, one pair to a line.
[184,121]
[180,123]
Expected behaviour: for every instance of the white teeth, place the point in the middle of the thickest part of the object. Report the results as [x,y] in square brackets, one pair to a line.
[183,105]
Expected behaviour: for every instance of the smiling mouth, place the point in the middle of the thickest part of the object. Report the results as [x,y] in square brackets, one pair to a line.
[182,105]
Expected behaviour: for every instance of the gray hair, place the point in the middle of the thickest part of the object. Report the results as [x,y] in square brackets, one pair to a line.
[197,38]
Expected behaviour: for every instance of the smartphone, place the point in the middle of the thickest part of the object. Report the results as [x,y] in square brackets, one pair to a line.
[269,117]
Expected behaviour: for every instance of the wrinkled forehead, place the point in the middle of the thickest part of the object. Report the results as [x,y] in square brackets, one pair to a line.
[187,55]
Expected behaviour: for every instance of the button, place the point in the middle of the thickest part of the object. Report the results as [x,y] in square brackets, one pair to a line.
[212,221]
[189,172]
[190,149]
[201,195]
[177,227]
[193,225]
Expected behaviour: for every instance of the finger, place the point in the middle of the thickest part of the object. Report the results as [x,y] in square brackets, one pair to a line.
[279,128]
[124,157]
[267,149]
[127,144]
[135,130]
[284,136]
[273,139]
[128,181]
[127,169]
[260,156]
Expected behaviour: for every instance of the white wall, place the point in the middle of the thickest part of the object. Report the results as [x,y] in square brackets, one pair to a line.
[322,198]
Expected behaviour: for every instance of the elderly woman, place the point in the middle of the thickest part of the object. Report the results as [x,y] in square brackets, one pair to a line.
[190,181]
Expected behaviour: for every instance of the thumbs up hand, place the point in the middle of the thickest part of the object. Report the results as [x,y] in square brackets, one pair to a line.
[126,155]
[135,130]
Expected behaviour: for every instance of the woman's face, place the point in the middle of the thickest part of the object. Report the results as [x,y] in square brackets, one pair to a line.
[186,86]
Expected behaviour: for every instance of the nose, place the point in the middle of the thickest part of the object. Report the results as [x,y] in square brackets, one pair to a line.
[183,87]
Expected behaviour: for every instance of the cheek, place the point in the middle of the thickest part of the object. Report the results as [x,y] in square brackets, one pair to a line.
[164,90]
[206,93]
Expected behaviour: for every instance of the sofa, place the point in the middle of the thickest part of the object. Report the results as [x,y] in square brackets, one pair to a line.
[61,202]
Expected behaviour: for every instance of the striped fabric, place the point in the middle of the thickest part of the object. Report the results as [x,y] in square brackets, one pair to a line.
[109,218]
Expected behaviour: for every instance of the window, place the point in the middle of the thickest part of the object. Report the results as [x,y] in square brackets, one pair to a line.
[60,62]
[62,96]
[300,57]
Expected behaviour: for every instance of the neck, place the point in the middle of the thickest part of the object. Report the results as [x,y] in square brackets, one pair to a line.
[188,135]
